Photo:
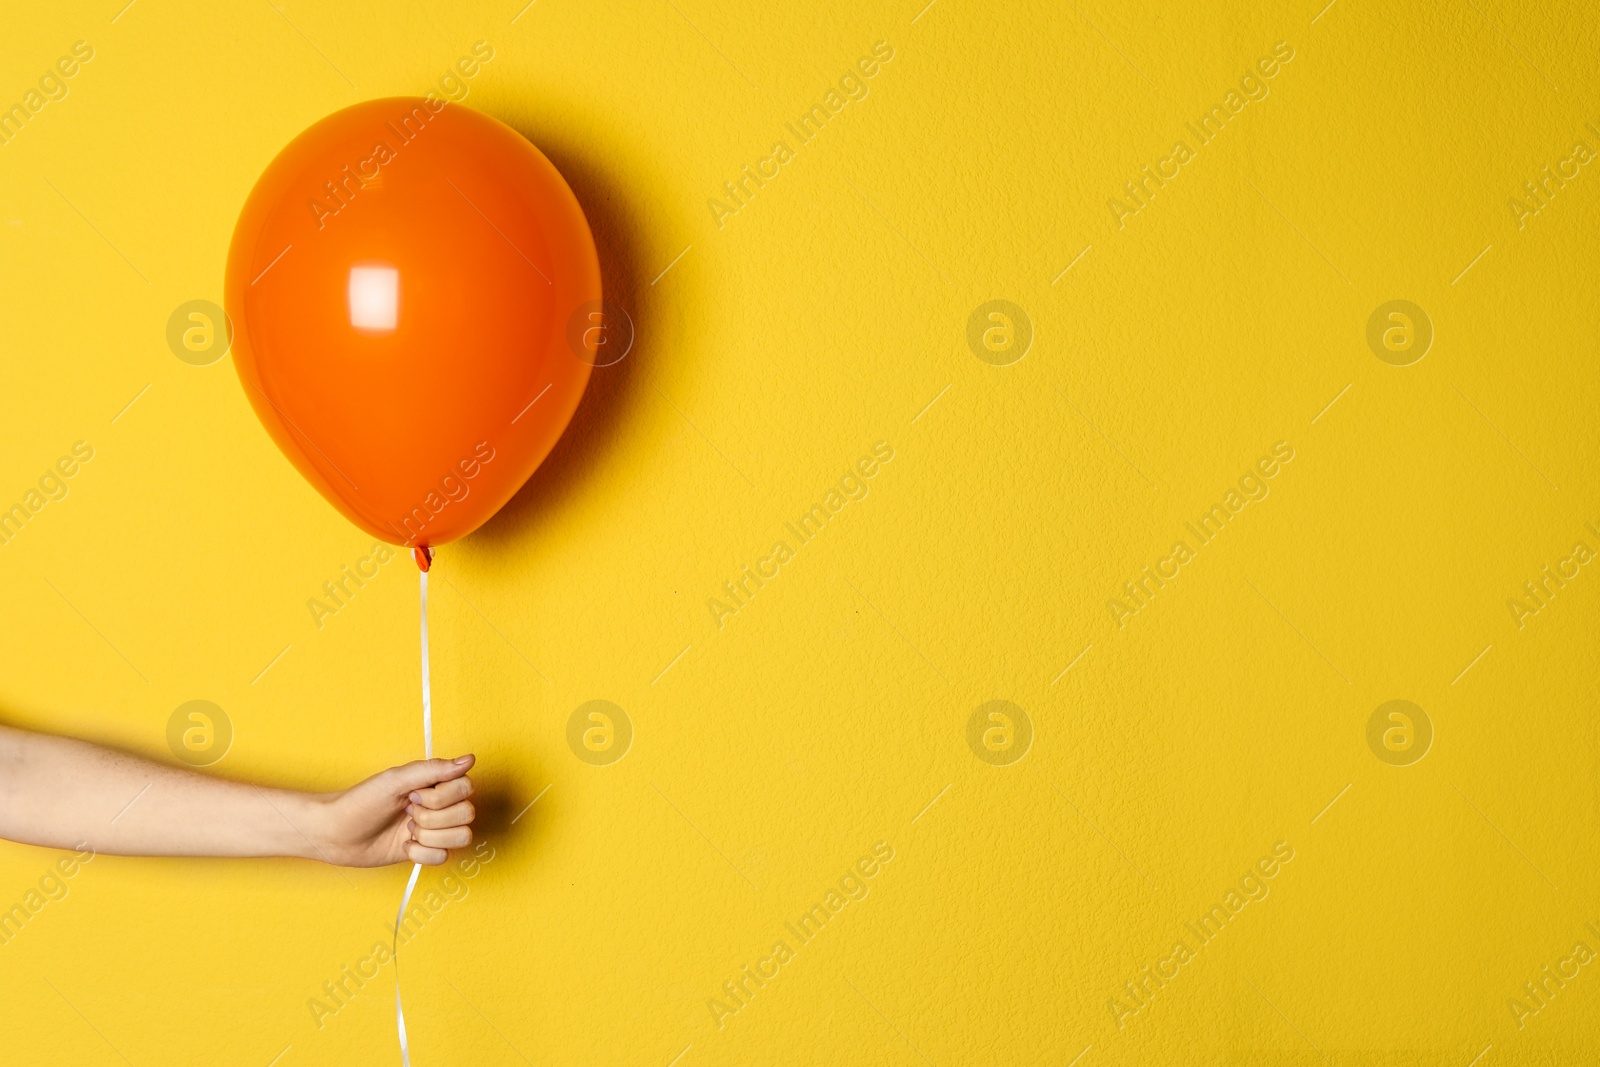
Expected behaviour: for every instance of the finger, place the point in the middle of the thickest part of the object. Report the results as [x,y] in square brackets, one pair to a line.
[454,837]
[425,772]
[428,857]
[444,794]
[455,815]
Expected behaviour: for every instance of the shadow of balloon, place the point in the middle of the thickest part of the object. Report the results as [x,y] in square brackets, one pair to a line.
[581,453]
[612,390]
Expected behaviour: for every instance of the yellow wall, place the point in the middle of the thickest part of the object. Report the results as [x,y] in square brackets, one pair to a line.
[1172,748]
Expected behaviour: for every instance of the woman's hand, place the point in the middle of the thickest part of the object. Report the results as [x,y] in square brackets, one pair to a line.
[412,812]
[63,793]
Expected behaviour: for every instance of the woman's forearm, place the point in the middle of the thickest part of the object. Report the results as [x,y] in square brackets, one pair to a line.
[64,793]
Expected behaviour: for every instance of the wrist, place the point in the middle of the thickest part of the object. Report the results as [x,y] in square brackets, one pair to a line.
[304,821]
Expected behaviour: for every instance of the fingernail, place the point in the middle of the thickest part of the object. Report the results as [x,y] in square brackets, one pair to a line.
[415,798]
[462,760]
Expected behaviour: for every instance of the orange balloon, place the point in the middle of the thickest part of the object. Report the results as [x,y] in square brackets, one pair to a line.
[414,292]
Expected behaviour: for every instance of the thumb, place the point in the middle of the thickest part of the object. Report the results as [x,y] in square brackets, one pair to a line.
[419,774]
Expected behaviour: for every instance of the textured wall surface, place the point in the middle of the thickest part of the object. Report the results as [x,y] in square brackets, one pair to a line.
[1195,831]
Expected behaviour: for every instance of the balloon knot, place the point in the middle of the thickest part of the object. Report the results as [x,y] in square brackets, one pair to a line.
[424,557]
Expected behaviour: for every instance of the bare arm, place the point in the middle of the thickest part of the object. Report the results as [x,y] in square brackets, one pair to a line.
[64,793]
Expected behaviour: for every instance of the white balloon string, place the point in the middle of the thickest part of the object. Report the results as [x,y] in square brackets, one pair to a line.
[427,689]
[400,1012]
[416,868]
